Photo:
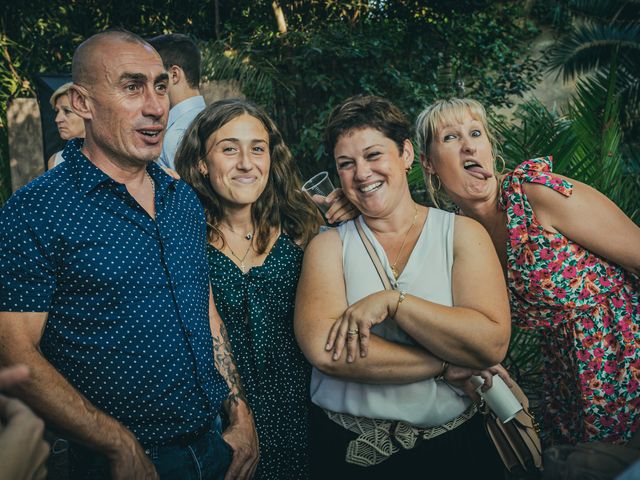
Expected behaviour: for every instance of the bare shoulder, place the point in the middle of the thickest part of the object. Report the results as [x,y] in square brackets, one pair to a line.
[537,192]
[471,241]
[325,243]
[551,206]
[467,229]
[543,195]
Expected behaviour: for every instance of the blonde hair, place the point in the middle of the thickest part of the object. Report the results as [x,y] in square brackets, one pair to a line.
[442,113]
[62,90]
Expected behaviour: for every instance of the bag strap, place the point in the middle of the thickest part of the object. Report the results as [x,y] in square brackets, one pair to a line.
[373,256]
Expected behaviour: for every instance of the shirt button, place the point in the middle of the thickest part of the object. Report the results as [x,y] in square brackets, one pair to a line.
[189,333]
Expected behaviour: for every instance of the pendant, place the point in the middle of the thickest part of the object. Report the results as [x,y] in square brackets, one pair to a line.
[395,272]
[242,267]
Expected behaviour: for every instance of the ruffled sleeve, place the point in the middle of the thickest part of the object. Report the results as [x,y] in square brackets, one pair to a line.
[514,201]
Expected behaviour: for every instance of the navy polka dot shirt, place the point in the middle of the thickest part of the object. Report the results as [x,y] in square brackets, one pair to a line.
[127,296]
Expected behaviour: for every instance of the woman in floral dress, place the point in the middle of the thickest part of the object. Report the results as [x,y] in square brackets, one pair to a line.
[571,259]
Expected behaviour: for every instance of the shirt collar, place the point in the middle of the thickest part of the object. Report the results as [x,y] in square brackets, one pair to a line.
[88,176]
[178,110]
[163,180]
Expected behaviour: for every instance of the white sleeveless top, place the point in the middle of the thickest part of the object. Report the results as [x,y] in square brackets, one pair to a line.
[426,403]
[59,158]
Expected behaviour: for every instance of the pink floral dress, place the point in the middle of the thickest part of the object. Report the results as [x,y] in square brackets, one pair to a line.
[587,310]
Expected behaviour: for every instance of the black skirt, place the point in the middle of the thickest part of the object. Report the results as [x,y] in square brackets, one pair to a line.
[463,453]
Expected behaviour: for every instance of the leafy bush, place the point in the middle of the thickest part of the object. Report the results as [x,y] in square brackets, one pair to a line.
[401,50]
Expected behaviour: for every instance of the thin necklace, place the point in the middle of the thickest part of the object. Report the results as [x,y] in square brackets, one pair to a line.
[241,260]
[394,270]
[152,213]
[247,236]
[153,184]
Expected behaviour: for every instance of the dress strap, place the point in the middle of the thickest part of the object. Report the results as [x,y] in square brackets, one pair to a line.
[539,170]
[514,201]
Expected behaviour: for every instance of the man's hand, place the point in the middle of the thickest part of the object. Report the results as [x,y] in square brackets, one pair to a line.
[128,461]
[23,452]
[242,437]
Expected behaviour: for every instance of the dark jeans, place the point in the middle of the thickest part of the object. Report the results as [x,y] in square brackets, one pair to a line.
[206,458]
[462,454]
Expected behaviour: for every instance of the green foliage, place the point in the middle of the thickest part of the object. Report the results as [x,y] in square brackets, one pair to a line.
[585,140]
[407,52]
[605,32]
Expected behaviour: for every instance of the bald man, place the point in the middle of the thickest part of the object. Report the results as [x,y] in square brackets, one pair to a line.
[104,290]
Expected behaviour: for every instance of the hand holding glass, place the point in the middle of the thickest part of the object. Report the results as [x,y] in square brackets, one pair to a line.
[318,188]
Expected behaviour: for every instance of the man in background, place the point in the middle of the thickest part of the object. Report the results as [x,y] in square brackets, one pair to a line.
[182,60]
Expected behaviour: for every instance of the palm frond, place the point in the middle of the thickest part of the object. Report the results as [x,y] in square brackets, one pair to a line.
[254,72]
[604,10]
[598,159]
[535,131]
[590,46]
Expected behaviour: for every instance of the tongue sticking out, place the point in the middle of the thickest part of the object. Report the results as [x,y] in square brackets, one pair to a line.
[479,172]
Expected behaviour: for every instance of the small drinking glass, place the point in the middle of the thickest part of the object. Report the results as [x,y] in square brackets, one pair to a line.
[318,188]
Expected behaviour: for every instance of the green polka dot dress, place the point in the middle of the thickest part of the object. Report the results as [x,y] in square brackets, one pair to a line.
[257,309]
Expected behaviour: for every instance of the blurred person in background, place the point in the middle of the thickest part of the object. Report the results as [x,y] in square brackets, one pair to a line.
[70,124]
[23,452]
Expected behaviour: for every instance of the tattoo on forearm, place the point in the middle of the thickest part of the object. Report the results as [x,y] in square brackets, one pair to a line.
[226,365]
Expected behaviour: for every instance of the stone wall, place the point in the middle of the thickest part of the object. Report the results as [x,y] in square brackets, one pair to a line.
[25,141]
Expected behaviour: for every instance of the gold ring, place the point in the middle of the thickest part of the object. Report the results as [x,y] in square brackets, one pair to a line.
[352,332]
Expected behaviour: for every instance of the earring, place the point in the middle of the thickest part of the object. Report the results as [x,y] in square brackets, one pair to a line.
[495,164]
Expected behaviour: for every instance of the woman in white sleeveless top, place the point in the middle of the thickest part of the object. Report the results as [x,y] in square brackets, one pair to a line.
[391,367]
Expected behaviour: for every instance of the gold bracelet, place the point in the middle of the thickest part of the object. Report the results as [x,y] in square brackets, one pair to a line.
[440,376]
[401,298]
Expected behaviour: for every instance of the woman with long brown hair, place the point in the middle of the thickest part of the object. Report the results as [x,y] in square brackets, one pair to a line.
[259,223]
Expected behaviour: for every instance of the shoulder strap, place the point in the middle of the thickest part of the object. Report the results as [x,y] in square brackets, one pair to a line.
[374,256]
